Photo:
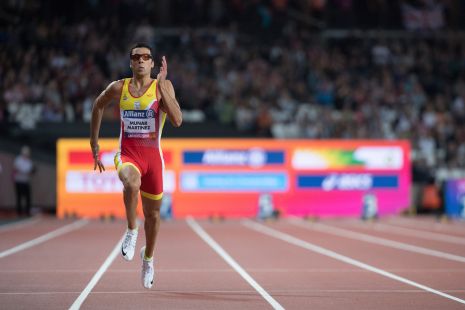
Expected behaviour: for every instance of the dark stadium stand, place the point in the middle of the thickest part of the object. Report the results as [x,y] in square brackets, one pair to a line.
[243,68]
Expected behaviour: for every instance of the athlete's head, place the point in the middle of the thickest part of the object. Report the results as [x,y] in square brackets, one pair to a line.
[141,59]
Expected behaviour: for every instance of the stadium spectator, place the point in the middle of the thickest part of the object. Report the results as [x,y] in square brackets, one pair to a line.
[286,84]
[23,169]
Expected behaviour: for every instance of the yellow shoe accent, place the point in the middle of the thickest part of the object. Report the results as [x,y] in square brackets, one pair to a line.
[146,258]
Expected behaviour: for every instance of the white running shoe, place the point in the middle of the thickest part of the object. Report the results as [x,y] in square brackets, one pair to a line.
[147,270]
[128,246]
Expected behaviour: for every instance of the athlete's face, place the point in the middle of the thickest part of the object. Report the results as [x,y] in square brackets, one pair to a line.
[141,66]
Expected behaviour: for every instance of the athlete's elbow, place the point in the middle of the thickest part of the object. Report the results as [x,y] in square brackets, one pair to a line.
[97,105]
[177,122]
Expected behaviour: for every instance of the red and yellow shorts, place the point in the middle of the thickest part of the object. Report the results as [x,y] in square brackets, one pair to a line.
[148,161]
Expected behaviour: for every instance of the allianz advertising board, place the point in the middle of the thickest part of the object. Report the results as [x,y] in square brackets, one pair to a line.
[227,177]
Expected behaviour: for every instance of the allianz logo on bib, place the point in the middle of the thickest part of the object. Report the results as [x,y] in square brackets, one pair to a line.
[138,114]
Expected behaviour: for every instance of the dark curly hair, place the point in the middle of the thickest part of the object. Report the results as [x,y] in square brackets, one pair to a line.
[141,44]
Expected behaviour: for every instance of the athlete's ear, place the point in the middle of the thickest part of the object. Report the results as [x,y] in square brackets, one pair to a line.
[130,63]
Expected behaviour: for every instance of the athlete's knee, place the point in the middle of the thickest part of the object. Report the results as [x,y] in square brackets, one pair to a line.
[151,213]
[131,186]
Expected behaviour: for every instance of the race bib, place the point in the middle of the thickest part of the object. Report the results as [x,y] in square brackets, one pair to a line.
[139,123]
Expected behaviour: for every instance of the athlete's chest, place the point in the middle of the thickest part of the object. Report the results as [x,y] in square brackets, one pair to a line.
[143,102]
[139,92]
[139,116]
[130,103]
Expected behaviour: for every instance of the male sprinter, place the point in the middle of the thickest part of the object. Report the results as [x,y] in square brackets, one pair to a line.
[144,103]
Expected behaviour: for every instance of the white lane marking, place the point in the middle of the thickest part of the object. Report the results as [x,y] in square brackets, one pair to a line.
[250,291]
[20,224]
[375,240]
[306,245]
[231,270]
[215,246]
[426,226]
[410,232]
[58,232]
[78,302]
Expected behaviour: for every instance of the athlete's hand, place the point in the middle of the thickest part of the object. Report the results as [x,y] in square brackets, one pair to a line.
[97,162]
[163,72]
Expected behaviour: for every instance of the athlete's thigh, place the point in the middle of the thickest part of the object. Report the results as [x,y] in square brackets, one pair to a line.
[129,175]
[152,180]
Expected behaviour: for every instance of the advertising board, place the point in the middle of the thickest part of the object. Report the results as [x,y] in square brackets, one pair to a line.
[455,198]
[227,177]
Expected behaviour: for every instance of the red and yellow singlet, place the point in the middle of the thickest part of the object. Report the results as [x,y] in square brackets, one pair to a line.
[142,122]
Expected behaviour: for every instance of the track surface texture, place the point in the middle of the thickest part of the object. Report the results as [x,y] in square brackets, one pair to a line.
[298,264]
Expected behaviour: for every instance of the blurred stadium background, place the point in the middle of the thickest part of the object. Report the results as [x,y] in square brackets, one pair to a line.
[353,70]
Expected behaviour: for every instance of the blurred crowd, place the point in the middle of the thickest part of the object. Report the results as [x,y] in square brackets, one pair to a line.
[294,85]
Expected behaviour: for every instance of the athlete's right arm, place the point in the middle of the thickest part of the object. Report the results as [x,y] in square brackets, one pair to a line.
[112,92]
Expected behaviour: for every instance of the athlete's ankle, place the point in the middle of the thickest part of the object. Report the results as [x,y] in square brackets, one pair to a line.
[135,229]
[148,258]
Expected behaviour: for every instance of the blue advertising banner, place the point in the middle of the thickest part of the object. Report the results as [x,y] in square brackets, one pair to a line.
[455,198]
[254,157]
[347,181]
[233,182]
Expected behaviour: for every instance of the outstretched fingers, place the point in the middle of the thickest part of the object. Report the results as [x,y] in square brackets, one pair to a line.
[103,167]
[164,64]
[100,165]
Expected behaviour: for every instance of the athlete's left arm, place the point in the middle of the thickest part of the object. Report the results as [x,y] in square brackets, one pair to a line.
[168,101]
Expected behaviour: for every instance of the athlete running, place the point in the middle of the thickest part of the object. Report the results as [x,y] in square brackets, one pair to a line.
[144,103]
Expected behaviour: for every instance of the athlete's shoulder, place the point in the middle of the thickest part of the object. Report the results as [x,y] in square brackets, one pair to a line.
[116,85]
[114,89]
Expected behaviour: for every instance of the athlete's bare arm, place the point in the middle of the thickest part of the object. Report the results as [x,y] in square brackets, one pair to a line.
[112,92]
[168,99]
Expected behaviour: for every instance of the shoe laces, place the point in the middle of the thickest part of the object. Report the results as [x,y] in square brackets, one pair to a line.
[130,240]
[147,267]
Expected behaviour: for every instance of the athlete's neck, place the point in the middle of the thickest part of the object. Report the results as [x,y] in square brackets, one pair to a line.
[141,81]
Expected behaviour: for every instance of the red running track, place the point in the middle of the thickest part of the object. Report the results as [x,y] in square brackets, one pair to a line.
[190,274]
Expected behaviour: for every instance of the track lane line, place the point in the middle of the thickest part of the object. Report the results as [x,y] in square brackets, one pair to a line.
[375,240]
[425,225]
[235,292]
[78,302]
[218,249]
[232,270]
[309,246]
[410,232]
[20,224]
[53,234]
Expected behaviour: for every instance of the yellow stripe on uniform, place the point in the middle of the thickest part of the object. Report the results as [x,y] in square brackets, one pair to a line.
[128,164]
[162,123]
[150,196]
